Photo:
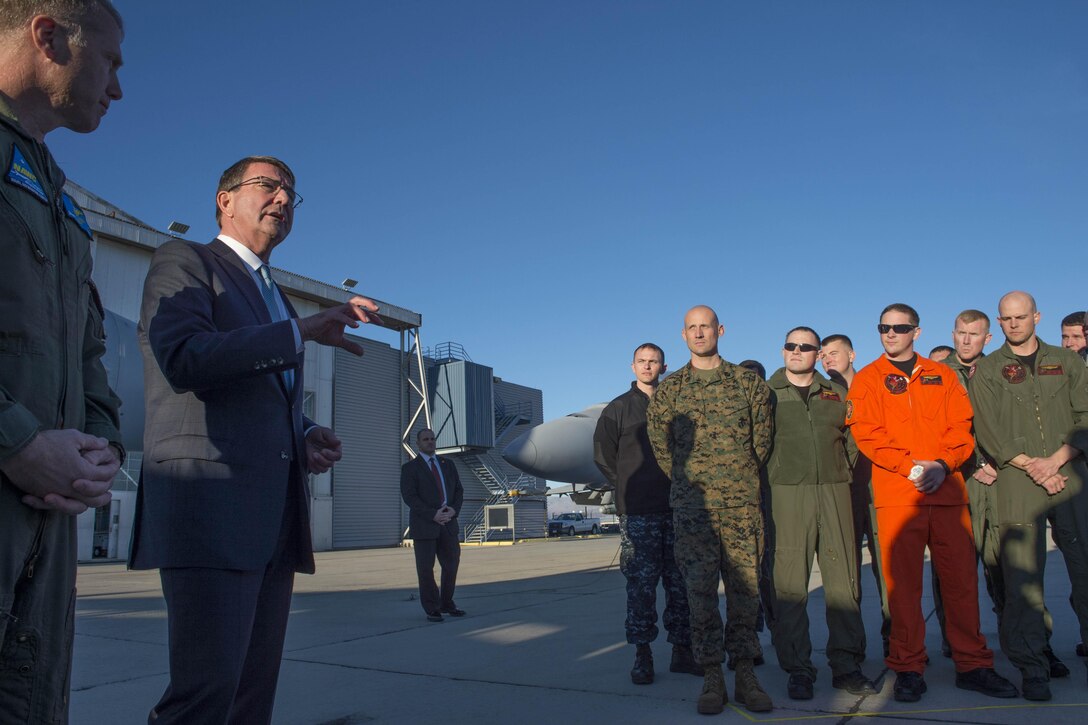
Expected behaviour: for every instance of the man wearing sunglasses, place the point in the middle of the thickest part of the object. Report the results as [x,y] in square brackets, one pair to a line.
[812,515]
[710,427]
[912,418]
[1031,402]
[223,505]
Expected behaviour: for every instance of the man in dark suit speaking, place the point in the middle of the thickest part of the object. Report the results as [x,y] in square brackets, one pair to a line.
[223,505]
[431,488]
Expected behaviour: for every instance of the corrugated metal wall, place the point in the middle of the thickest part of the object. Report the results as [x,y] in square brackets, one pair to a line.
[366,417]
[463,404]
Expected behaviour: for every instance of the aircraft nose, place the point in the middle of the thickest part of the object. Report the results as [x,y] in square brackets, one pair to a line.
[521,453]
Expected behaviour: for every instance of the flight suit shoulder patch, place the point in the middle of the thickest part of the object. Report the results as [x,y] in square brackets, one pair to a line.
[75,213]
[21,175]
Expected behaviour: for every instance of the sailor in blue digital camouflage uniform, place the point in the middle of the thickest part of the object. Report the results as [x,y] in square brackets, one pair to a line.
[622,452]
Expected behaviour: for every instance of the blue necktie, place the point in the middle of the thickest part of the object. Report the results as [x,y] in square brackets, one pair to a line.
[268,291]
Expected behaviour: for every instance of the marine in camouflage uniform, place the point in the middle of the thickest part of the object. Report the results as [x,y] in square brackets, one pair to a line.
[1031,416]
[622,452]
[710,426]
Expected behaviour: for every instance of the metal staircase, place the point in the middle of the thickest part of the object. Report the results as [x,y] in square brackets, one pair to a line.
[503,483]
[503,489]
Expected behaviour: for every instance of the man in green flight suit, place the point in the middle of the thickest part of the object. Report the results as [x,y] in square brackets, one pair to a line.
[60,446]
[710,427]
[970,335]
[812,515]
[1031,416]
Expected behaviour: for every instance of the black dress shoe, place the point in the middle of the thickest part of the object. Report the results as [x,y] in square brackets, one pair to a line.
[453,611]
[434,617]
[1036,688]
[986,681]
[909,687]
[799,686]
[855,683]
[1057,667]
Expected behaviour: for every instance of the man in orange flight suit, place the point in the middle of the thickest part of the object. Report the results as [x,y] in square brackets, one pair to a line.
[911,417]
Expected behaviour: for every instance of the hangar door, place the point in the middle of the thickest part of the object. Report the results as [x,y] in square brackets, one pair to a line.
[366,416]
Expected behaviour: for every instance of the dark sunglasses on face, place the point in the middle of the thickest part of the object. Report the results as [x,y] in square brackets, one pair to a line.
[803,346]
[899,329]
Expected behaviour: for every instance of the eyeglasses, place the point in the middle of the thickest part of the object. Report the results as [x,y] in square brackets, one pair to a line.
[271,186]
[899,329]
[802,346]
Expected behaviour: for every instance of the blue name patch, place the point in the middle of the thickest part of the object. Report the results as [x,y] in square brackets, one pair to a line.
[75,213]
[20,174]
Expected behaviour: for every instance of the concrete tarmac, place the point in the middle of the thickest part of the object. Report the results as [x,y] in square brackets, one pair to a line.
[543,642]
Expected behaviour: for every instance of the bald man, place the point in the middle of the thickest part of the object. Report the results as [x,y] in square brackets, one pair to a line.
[1031,416]
[710,425]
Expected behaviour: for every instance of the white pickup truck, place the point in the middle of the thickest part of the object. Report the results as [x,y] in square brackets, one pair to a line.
[573,523]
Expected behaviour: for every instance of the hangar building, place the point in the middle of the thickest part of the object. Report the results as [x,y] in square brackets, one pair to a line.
[375,404]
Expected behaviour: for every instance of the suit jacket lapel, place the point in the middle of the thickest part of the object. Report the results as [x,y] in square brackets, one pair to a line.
[239,273]
[242,277]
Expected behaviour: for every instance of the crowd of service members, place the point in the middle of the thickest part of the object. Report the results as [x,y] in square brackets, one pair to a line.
[725,475]
[750,467]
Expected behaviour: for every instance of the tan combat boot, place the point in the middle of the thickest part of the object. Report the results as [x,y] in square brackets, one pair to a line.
[748,691]
[713,697]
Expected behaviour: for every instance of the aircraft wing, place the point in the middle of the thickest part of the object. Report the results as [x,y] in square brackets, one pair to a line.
[586,496]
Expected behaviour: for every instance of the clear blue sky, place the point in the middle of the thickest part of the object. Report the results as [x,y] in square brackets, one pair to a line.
[551,183]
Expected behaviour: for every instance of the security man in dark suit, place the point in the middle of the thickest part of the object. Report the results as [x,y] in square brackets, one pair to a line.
[223,504]
[431,488]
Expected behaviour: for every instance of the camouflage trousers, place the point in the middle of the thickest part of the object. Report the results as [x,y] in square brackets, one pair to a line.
[721,545]
[646,557]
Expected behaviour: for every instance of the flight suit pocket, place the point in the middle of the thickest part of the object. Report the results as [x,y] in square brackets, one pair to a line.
[29,262]
[18,665]
[14,342]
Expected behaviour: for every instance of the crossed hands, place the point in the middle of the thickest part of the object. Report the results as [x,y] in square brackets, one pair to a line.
[933,475]
[327,326]
[444,515]
[1044,472]
[64,470]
